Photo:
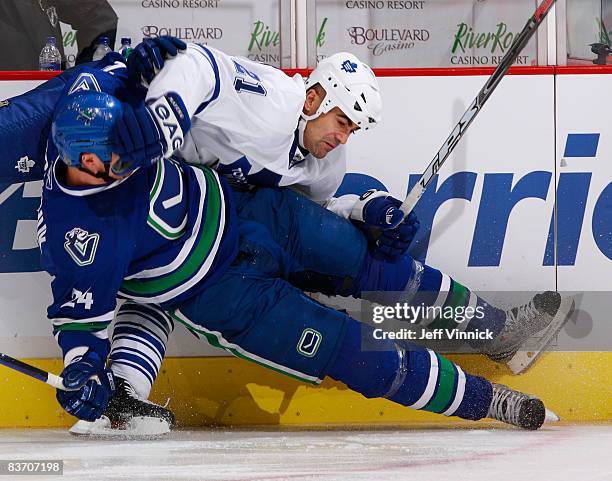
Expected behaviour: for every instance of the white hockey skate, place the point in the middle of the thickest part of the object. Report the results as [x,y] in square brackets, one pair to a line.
[529,329]
[128,417]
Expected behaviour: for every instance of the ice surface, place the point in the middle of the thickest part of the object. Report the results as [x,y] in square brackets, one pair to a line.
[555,453]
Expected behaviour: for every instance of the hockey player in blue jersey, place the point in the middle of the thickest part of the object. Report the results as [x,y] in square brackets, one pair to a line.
[172,234]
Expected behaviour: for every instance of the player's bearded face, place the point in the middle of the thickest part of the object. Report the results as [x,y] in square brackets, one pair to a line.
[327,131]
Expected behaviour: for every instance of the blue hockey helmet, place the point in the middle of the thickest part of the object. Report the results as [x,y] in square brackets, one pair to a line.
[83,123]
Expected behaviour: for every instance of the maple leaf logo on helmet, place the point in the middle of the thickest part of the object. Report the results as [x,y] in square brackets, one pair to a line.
[349,67]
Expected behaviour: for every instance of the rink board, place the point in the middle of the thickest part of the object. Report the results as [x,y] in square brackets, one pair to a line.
[520,136]
[233,392]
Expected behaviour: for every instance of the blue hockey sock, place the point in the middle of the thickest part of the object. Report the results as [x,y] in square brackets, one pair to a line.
[412,376]
[387,282]
[408,280]
[469,311]
[139,343]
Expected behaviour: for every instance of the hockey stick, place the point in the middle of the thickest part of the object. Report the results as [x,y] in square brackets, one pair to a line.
[36,373]
[453,139]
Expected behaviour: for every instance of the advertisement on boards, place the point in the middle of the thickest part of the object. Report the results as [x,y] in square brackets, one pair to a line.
[488,220]
[425,33]
[247,29]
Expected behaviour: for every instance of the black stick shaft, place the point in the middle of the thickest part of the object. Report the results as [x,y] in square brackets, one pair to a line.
[32,371]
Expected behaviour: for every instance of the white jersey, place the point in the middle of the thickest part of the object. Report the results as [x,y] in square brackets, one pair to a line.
[244,118]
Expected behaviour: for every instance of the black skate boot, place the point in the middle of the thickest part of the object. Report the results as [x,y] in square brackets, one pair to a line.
[128,416]
[514,407]
[529,329]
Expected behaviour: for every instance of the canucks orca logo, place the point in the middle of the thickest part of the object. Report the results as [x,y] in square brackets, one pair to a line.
[86,116]
[81,245]
[349,67]
[309,342]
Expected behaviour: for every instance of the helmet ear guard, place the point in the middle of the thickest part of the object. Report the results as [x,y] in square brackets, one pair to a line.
[350,85]
[83,123]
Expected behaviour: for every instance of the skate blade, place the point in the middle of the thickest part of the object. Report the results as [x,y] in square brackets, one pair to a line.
[522,360]
[139,427]
[551,417]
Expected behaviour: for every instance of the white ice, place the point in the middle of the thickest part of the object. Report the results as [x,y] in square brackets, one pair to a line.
[555,453]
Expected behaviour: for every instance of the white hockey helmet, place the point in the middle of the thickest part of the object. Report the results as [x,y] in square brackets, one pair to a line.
[350,85]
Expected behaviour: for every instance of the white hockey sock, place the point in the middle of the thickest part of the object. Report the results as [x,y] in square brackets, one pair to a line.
[139,343]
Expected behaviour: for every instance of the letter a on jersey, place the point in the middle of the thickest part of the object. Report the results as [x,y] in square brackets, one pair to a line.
[81,245]
[85,82]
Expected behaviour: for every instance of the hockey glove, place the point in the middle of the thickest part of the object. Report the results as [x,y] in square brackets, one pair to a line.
[149,56]
[378,215]
[92,387]
[394,243]
[146,133]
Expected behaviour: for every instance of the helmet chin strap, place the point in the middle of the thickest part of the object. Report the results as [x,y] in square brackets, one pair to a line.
[301,128]
[304,119]
[99,175]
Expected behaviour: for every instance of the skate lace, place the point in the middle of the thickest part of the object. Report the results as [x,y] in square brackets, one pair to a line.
[505,405]
[130,390]
[516,315]
[132,393]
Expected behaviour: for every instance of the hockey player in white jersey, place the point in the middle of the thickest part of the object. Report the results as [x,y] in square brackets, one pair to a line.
[249,119]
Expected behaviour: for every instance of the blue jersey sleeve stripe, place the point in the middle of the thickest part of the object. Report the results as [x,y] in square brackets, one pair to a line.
[88,324]
[102,317]
[294,146]
[211,58]
[91,327]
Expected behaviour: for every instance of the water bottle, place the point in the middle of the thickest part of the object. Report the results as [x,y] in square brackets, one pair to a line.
[102,49]
[126,47]
[50,57]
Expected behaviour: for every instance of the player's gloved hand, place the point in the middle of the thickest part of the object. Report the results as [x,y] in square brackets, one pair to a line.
[93,387]
[149,56]
[137,139]
[377,213]
[146,133]
[394,243]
